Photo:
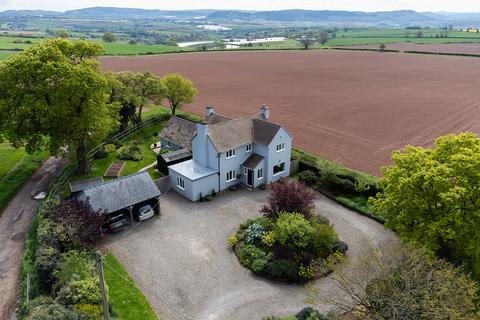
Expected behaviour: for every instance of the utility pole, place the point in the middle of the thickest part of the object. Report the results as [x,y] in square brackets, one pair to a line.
[102,286]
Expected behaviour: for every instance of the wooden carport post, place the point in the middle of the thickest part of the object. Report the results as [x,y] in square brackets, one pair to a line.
[130,209]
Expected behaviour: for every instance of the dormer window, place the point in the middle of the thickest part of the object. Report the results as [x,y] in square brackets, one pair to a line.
[248,148]
[230,153]
[280,147]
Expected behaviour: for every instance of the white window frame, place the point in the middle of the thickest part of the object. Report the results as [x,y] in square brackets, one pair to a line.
[279,172]
[280,147]
[233,175]
[260,174]
[231,152]
[248,148]
[180,183]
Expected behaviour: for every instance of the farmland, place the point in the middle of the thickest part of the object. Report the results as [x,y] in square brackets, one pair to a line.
[354,107]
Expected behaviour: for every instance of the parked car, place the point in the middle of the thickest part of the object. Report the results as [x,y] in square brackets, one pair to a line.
[116,223]
[145,213]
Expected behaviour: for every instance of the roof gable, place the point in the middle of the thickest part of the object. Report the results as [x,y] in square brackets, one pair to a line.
[215,118]
[179,131]
[264,131]
[120,193]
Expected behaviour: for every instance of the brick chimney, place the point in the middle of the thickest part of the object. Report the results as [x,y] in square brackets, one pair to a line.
[265,112]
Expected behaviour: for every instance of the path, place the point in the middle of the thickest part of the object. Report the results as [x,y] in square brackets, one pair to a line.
[14,224]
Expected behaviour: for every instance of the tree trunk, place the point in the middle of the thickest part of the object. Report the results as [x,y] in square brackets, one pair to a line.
[83,165]
[124,122]
[173,108]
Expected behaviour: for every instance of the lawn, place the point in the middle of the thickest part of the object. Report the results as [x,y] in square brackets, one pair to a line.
[126,299]
[146,137]
[15,169]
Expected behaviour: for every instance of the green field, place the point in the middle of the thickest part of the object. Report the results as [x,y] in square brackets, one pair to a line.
[121,48]
[15,169]
[126,299]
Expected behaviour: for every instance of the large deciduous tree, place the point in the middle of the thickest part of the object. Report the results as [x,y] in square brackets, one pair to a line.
[432,196]
[133,91]
[109,37]
[402,282]
[54,95]
[178,91]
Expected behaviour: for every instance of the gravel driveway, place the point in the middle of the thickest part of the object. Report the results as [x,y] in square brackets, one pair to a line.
[183,264]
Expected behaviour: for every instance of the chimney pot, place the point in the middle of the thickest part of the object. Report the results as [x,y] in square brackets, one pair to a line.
[265,112]
[210,110]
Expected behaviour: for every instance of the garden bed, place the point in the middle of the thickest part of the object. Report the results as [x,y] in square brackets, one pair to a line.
[289,243]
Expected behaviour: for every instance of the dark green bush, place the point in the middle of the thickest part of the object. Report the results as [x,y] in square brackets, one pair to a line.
[309,177]
[310,313]
[258,265]
[281,269]
[340,246]
[248,253]
[46,260]
[100,154]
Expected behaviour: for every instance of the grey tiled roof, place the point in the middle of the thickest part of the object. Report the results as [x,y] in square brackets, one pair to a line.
[215,118]
[120,193]
[179,131]
[80,185]
[231,134]
[253,161]
[264,131]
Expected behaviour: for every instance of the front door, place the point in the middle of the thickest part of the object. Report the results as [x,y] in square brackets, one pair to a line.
[250,178]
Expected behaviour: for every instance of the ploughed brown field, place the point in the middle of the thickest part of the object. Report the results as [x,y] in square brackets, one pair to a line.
[468,48]
[354,107]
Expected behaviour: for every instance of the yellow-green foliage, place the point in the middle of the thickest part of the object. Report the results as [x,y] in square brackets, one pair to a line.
[432,196]
[110,147]
[306,272]
[233,240]
[268,238]
[91,311]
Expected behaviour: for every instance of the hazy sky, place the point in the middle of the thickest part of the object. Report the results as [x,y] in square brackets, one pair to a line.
[361,5]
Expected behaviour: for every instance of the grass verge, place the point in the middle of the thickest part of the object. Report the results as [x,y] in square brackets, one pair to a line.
[14,179]
[126,299]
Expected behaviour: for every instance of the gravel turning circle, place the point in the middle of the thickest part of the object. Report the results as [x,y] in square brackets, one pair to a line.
[184,265]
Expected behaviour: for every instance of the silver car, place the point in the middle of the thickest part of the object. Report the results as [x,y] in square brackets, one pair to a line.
[145,213]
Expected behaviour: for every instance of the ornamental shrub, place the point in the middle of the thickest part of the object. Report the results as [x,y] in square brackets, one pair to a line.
[233,240]
[281,269]
[249,253]
[44,308]
[340,247]
[293,231]
[74,265]
[322,239]
[268,238]
[306,272]
[110,147]
[89,311]
[289,196]
[80,291]
[45,262]
[254,233]
[258,265]
[130,152]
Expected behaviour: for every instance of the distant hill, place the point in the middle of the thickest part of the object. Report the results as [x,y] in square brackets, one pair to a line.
[29,13]
[401,18]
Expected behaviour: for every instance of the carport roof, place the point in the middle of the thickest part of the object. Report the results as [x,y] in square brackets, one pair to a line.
[120,193]
[192,170]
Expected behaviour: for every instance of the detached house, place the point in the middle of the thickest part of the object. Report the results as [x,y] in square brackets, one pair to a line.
[226,152]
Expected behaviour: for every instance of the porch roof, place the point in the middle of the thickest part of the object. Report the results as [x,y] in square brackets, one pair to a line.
[192,170]
[253,161]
